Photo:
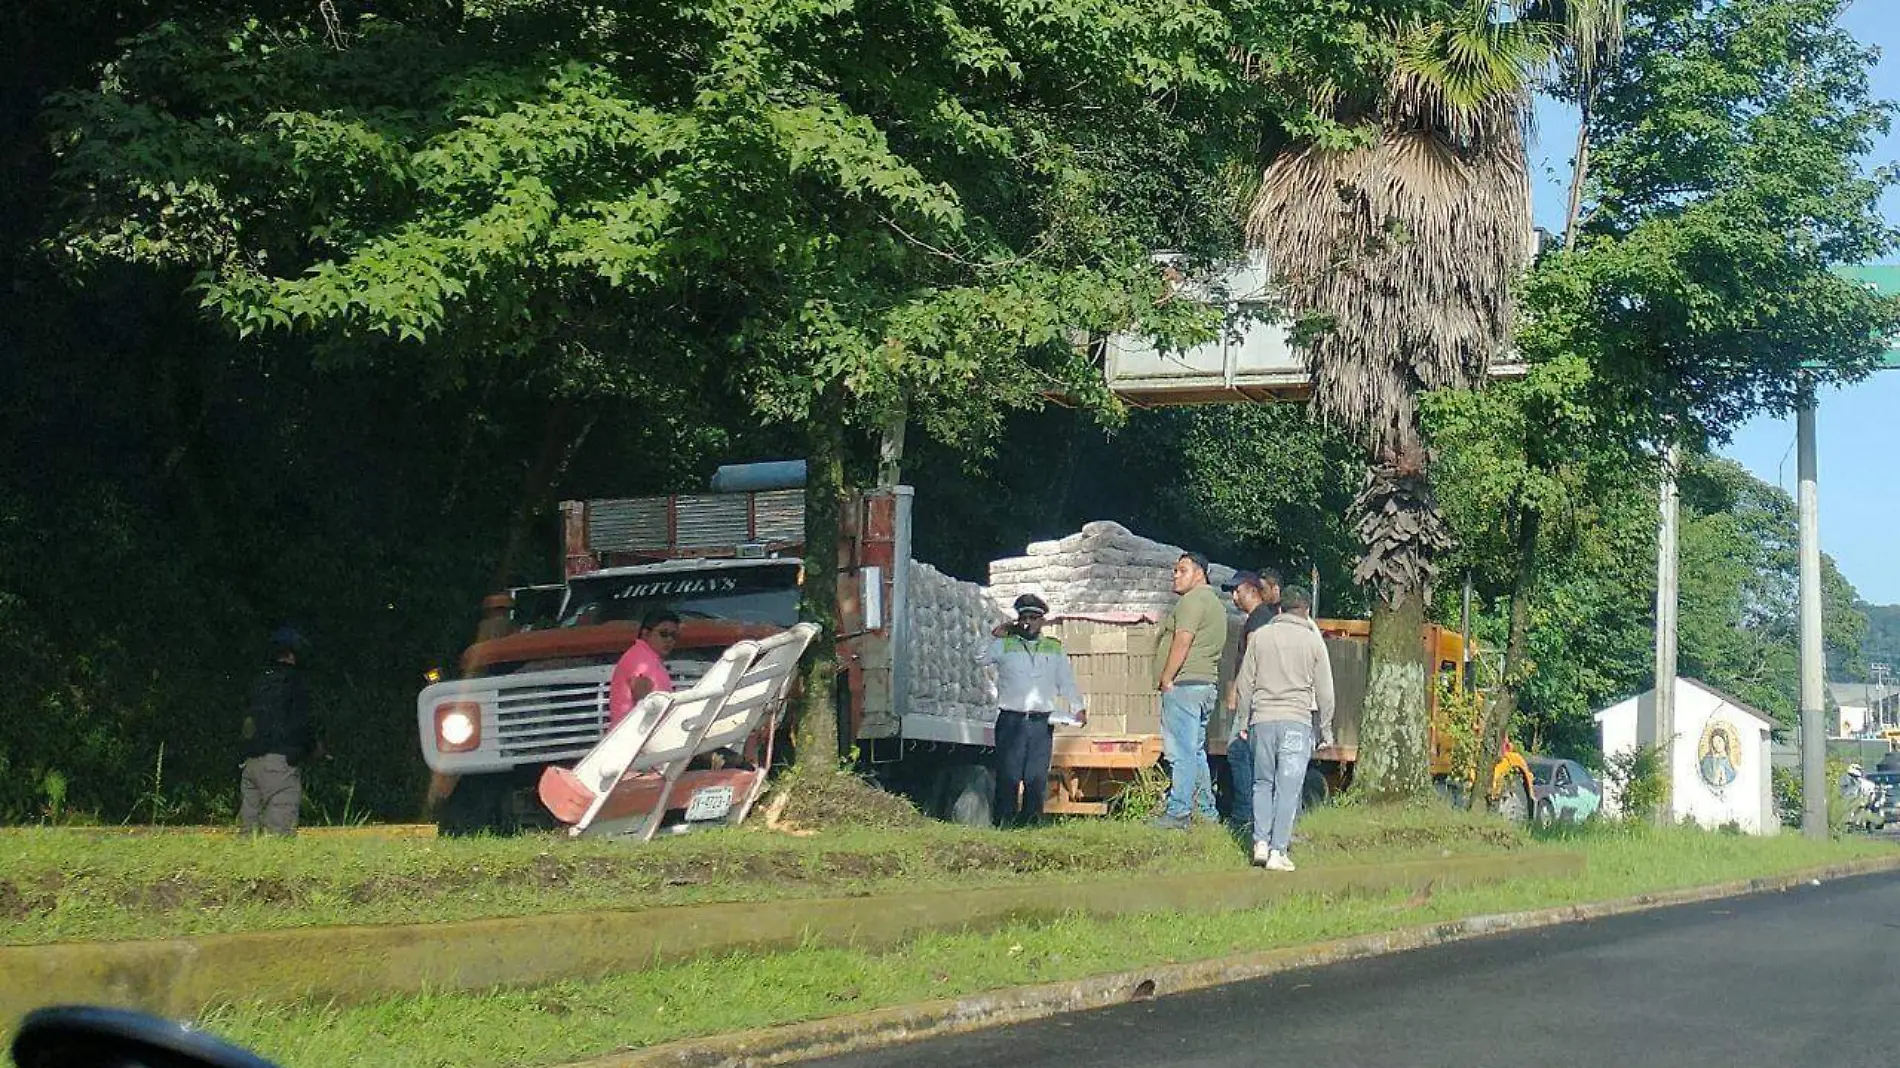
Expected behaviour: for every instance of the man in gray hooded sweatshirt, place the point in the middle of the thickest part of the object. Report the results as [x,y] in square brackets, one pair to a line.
[1289,682]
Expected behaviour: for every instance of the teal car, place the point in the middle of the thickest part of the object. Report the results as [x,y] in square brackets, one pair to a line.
[1563,791]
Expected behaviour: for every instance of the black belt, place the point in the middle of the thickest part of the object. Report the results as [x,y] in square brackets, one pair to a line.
[1193,682]
[1031,715]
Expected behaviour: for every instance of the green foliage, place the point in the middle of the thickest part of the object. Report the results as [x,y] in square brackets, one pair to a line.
[1881,644]
[921,202]
[1726,183]
[1724,188]
[1461,719]
[1739,580]
[1637,779]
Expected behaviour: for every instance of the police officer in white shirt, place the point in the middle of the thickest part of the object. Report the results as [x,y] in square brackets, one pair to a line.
[1035,689]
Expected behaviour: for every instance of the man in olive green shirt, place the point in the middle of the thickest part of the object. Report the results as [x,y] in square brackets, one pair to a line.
[1187,672]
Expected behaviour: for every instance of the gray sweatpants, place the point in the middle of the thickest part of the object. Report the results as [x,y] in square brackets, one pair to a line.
[272,792]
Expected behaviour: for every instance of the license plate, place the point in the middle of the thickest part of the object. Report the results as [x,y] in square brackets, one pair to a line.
[710,803]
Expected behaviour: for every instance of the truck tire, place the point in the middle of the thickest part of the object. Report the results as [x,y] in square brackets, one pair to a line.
[968,795]
[479,804]
[1315,791]
[1514,800]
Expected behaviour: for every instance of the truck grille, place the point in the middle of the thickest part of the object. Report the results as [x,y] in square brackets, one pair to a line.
[551,721]
[564,717]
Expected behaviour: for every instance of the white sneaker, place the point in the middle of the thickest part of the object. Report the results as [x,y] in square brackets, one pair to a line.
[1262,856]
[1278,861]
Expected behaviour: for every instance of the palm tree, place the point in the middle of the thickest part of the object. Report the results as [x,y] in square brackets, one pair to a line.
[1402,252]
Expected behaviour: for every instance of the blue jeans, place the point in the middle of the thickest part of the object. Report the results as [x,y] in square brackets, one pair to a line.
[1281,752]
[1240,779]
[1184,713]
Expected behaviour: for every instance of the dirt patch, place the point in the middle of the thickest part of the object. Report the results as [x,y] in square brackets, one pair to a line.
[821,800]
[162,895]
[861,865]
[17,905]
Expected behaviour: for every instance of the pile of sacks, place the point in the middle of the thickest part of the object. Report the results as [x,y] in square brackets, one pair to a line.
[1105,568]
[950,623]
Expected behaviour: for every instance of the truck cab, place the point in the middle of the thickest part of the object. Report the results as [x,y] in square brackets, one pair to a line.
[536,697]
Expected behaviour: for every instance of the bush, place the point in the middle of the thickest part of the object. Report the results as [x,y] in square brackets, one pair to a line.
[1636,777]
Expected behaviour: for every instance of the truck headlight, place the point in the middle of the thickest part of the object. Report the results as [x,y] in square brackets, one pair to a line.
[458,726]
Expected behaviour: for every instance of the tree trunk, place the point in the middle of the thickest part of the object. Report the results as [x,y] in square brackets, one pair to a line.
[815,738]
[1579,170]
[559,442]
[1503,705]
[1403,535]
[1394,729]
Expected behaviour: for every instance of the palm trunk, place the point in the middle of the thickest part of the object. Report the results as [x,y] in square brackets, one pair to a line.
[1394,743]
[1404,535]
[815,739]
[1503,705]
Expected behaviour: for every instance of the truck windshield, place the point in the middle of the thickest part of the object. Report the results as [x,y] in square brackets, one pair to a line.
[765,594]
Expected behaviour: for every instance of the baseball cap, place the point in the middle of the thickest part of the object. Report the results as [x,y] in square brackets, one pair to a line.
[1242,578]
[1197,559]
[1262,578]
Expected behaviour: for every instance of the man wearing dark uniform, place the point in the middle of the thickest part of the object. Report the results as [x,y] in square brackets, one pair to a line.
[277,738]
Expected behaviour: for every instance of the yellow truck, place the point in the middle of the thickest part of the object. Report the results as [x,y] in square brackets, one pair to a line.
[1114,662]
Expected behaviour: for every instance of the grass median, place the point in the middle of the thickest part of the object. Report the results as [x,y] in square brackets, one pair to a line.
[71,884]
[569,1021]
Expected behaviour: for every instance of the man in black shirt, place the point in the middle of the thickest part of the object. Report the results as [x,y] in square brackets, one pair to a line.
[1257,595]
[277,737]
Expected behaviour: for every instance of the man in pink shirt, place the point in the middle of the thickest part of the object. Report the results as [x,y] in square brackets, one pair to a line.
[641,670]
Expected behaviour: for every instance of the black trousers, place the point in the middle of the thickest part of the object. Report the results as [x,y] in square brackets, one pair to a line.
[1022,764]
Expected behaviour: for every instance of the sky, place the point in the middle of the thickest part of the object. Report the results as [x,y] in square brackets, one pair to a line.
[1857,427]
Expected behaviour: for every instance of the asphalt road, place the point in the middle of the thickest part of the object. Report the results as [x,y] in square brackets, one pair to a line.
[1789,980]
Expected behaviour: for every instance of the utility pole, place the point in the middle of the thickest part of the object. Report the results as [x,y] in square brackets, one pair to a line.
[1813,731]
[1464,632]
[1666,604]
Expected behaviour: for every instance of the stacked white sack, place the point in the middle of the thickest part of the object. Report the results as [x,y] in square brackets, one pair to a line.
[950,622]
[1104,568]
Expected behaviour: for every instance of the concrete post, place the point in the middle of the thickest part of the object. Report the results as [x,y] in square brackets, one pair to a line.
[1666,605]
[1814,784]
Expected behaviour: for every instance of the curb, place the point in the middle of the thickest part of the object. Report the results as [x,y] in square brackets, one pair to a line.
[182,977]
[911,1023]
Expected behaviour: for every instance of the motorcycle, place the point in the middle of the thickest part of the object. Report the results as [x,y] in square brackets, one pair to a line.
[1866,801]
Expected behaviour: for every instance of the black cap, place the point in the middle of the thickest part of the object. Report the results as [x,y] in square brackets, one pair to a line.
[1262,578]
[1031,605]
[1197,559]
[1242,578]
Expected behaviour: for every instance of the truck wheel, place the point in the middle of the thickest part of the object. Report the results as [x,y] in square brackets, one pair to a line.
[1315,791]
[1514,800]
[968,795]
[480,804]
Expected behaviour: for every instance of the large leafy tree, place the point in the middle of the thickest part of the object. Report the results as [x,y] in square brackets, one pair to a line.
[838,215]
[1717,186]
